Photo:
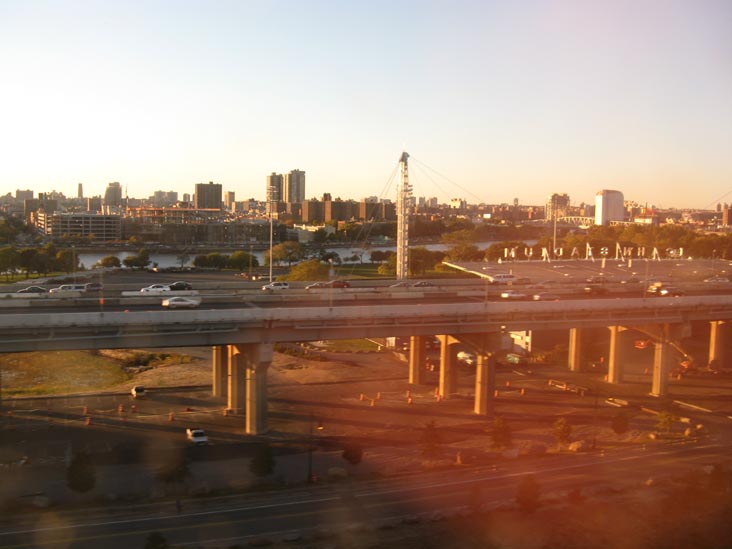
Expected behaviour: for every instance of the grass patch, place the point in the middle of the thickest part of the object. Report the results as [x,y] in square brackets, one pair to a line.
[58,372]
[351,346]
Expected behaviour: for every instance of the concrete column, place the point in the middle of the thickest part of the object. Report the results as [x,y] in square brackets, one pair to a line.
[259,358]
[575,349]
[220,363]
[716,342]
[448,371]
[417,356]
[485,384]
[614,364]
[660,368]
[236,390]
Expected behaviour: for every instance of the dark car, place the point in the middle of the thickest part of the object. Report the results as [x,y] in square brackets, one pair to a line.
[180,286]
[32,290]
[331,284]
[94,287]
[596,290]
[423,284]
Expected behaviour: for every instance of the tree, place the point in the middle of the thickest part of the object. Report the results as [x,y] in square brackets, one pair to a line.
[110,262]
[562,430]
[619,423]
[9,260]
[312,269]
[216,260]
[183,258]
[353,453]
[527,494]
[287,251]
[263,461]
[65,261]
[501,433]
[378,256]
[242,261]
[81,475]
[431,440]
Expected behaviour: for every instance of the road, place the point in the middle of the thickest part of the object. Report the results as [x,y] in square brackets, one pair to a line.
[345,509]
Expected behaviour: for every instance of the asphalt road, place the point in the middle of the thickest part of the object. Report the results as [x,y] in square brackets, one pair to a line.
[335,512]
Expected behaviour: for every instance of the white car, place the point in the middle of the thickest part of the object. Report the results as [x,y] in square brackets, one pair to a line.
[155,288]
[197,437]
[275,286]
[180,303]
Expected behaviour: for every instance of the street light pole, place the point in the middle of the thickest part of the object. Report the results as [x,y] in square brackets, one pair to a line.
[310,447]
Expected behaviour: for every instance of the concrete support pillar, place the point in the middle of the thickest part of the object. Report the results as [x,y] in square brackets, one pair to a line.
[220,363]
[614,364]
[448,369]
[259,358]
[575,349]
[417,356]
[717,342]
[485,384]
[236,391]
[660,368]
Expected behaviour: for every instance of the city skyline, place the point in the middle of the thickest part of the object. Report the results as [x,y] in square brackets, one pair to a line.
[493,102]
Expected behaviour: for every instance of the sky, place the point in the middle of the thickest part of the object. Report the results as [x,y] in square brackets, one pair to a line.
[493,100]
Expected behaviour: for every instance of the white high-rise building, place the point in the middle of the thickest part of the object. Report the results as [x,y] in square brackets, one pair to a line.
[609,206]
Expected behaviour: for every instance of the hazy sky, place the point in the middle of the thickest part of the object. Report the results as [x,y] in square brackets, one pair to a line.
[493,100]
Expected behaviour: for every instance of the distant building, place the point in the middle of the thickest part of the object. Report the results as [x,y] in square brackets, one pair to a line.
[230,200]
[94,204]
[609,206]
[727,216]
[99,227]
[208,196]
[113,195]
[20,196]
[164,198]
[80,191]
[293,187]
[556,205]
[274,192]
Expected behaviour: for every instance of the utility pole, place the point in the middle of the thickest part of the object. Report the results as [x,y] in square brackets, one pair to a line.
[404,194]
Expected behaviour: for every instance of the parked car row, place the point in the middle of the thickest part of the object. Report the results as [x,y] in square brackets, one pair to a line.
[89,287]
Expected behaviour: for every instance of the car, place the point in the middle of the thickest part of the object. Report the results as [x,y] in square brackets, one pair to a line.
[275,286]
[631,280]
[402,284]
[513,294]
[179,302]
[68,288]
[331,284]
[466,358]
[545,296]
[596,290]
[670,291]
[155,288]
[423,284]
[138,391]
[717,279]
[180,286]
[197,437]
[597,279]
[32,290]
[92,287]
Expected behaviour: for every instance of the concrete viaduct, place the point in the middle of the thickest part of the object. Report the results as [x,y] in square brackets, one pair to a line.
[242,339]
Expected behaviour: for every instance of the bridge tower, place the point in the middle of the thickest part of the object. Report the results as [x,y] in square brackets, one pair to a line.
[404,195]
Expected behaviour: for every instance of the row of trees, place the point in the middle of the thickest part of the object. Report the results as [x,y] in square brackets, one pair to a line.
[42,260]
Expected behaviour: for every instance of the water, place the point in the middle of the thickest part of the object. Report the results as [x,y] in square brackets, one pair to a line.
[165,260]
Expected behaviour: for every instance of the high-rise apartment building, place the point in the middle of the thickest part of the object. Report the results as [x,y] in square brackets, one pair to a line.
[274,192]
[20,196]
[208,196]
[230,200]
[609,206]
[293,187]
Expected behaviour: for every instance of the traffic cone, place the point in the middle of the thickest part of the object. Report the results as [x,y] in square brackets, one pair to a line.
[373,402]
[508,384]
[409,400]
[523,391]
[495,393]
[378,396]
[87,421]
[362,397]
[171,416]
